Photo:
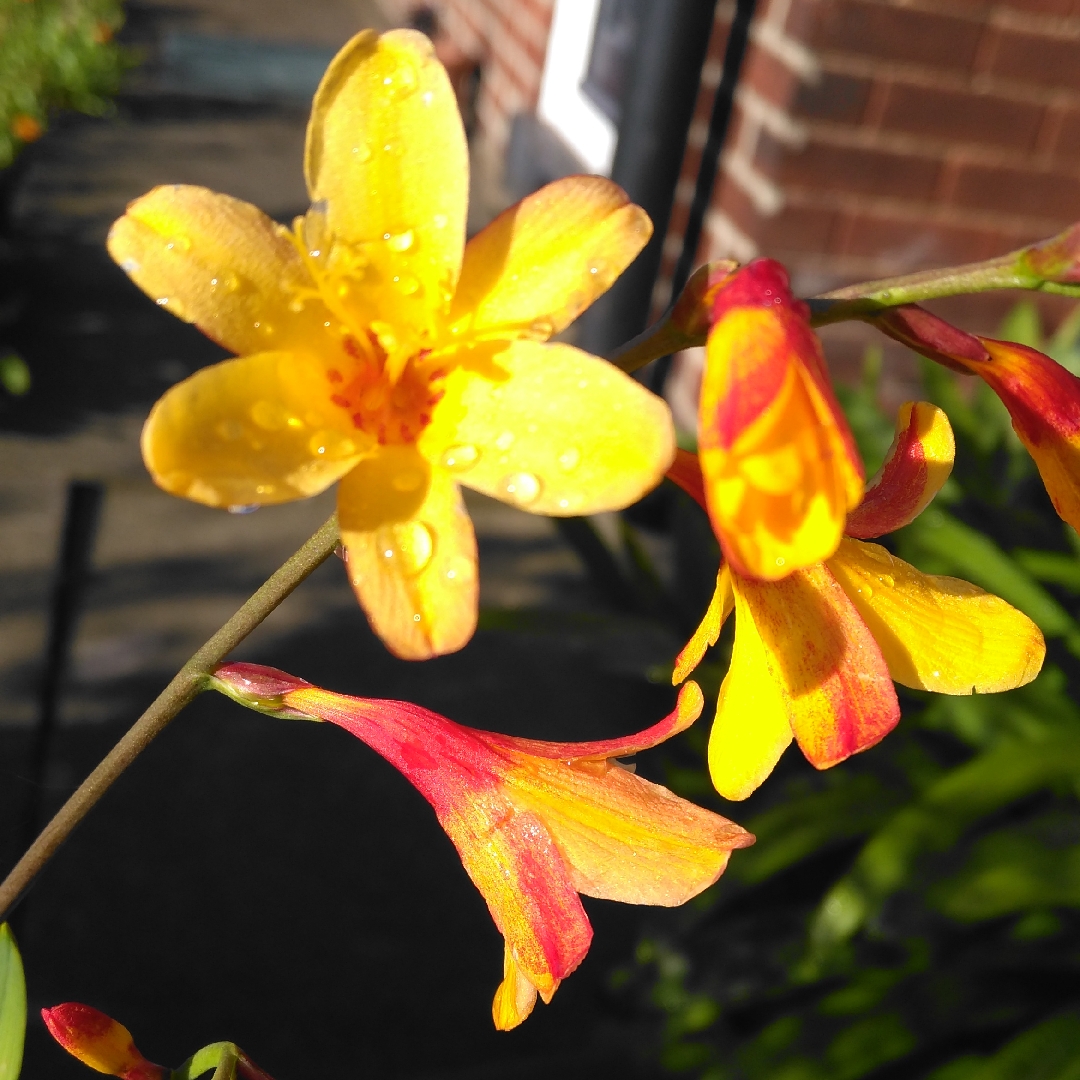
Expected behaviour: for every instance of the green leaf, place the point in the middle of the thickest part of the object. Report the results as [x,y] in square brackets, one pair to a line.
[1023,325]
[1049,1051]
[12,1006]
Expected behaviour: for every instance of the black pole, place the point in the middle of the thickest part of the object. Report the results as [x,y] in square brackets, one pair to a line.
[719,121]
[84,500]
[672,40]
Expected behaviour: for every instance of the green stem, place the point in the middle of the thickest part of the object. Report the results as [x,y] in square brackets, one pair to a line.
[185,686]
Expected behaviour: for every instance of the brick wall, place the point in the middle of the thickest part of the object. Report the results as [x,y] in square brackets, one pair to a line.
[873,137]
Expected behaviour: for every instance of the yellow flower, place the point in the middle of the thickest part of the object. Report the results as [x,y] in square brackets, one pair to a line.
[816,654]
[377,349]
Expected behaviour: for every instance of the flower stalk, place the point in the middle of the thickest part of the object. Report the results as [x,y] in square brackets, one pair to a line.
[185,686]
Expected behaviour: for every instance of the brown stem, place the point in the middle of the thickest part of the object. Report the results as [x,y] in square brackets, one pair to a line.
[185,686]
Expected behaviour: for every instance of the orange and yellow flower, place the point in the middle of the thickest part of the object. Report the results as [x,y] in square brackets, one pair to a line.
[1043,398]
[778,458]
[535,823]
[816,654]
[378,349]
[99,1041]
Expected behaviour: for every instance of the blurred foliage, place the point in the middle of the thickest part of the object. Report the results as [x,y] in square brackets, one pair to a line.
[14,374]
[55,54]
[12,1006]
[914,912]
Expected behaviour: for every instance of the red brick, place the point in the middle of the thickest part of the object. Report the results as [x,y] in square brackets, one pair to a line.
[729,197]
[1019,191]
[771,78]
[1038,58]
[849,169]
[930,243]
[962,117]
[839,98]
[796,228]
[1068,140]
[1044,7]
[895,33]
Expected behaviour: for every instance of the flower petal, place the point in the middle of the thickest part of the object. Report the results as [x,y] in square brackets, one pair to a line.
[752,726]
[221,264]
[386,151]
[411,553]
[720,607]
[515,998]
[685,471]
[917,464]
[624,838]
[938,633]
[98,1041]
[541,263]
[780,465]
[250,431]
[831,674]
[686,711]
[550,429]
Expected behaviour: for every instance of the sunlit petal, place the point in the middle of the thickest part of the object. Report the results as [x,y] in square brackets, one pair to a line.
[250,431]
[938,633]
[386,152]
[720,606]
[538,265]
[221,264]
[515,998]
[918,463]
[550,429]
[411,553]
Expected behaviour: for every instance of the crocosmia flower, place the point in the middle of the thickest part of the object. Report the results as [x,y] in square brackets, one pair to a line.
[1043,398]
[376,348]
[816,654]
[99,1041]
[535,823]
[780,465]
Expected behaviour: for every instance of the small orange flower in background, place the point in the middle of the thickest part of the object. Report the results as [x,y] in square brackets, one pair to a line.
[535,823]
[25,128]
[99,1041]
[816,654]
[379,350]
[1043,398]
[779,460]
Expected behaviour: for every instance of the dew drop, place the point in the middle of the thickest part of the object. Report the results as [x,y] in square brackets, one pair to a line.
[331,446]
[460,458]
[296,305]
[161,301]
[505,440]
[399,241]
[522,488]
[226,282]
[179,243]
[269,415]
[129,266]
[887,580]
[440,221]
[400,81]
[410,546]
[407,284]
[265,489]
[865,590]
[243,508]
[570,458]
[362,153]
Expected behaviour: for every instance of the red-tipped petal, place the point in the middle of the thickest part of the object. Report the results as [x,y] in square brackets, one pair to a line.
[918,463]
[936,339]
[99,1041]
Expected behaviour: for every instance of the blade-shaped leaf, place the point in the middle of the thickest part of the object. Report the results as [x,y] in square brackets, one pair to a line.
[12,1006]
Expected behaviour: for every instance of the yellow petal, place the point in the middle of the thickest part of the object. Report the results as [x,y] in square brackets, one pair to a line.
[720,607]
[221,264]
[541,263]
[515,998]
[550,429]
[938,633]
[411,553]
[386,151]
[250,431]
[751,729]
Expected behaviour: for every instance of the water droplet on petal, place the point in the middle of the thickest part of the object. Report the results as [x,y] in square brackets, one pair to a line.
[179,244]
[887,580]
[407,284]
[570,458]
[399,241]
[505,440]
[440,221]
[408,546]
[522,488]
[400,80]
[362,153]
[225,282]
[269,415]
[243,508]
[129,266]
[161,301]
[460,458]
[331,445]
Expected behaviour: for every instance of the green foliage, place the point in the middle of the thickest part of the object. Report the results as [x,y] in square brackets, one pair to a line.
[54,54]
[14,374]
[12,1006]
[914,912]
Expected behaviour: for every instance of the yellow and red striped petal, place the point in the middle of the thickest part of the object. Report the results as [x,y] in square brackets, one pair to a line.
[541,263]
[780,465]
[411,552]
[550,429]
[99,1041]
[917,464]
[938,633]
[720,607]
[386,154]
[250,432]
[223,265]
[804,657]
[515,998]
